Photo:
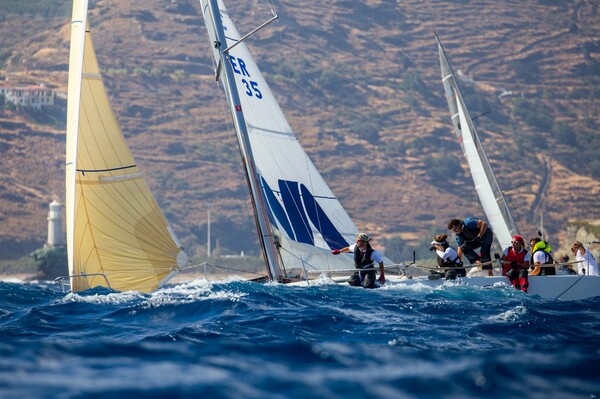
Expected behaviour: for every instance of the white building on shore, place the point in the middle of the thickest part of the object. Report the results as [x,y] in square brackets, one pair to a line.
[31,96]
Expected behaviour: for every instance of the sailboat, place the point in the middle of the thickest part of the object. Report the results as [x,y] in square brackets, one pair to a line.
[299,220]
[117,236]
[564,287]
[490,195]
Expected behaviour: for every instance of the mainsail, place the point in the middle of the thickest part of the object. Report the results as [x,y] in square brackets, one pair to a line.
[117,236]
[488,190]
[303,220]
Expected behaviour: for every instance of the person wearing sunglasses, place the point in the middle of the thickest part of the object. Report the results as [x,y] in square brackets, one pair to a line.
[587,263]
[365,258]
[515,262]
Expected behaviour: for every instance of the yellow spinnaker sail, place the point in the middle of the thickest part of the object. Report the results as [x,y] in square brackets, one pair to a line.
[116,234]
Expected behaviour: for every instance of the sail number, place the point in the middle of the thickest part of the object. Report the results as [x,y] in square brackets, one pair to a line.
[239,66]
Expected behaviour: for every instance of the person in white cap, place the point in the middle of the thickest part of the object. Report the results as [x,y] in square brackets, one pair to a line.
[365,258]
[447,257]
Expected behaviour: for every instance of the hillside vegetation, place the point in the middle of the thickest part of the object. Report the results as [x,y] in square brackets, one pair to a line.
[360,84]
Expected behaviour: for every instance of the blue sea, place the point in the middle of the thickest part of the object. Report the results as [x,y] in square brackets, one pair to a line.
[238,339]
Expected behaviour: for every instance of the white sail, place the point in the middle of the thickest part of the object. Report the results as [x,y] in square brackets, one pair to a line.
[117,236]
[305,217]
[491,198]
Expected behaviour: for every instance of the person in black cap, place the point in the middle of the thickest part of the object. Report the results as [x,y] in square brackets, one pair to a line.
[365,258]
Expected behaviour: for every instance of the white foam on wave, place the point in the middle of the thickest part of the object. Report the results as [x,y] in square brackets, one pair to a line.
[511,315]
[115,298]
[414,287]
[323,279]
[192,291]
[188,292]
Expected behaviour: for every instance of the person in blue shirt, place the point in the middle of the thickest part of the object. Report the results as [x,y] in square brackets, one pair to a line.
[471,234]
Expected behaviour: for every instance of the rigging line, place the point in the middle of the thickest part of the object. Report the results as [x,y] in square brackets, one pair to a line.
[198,265]
[305,262]
[271,7]
[571,286]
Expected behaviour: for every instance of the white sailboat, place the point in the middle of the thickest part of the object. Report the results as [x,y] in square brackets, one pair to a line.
[117,236]
[299,219]
[565,287]
[490,196]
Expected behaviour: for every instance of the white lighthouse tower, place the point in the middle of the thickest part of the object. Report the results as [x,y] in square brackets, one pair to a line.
[55,231]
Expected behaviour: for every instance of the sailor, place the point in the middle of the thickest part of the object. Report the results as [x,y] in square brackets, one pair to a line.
[541,254]
[447,257]
[587,263]
[473,233]
[515,264]
[365,258]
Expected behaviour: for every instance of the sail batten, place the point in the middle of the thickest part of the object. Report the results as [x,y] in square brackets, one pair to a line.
[117,236]
[487,188]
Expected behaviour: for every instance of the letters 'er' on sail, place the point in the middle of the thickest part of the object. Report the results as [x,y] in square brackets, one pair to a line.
[117,236]
[301,217]
[490,195]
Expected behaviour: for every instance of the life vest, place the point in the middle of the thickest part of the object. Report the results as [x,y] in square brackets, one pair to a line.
[543,246]
[456,262]
[362,260]
[545,271]
[513,256]
[467,234]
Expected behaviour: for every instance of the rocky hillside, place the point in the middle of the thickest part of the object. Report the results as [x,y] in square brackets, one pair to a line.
[360,84]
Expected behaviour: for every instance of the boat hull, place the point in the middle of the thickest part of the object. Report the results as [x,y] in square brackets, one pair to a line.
[563,287]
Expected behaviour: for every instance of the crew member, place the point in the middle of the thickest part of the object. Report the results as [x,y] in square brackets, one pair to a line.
[365,258]
[515,262]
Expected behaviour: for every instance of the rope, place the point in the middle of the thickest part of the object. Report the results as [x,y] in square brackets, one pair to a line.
[203,264]
[571,286]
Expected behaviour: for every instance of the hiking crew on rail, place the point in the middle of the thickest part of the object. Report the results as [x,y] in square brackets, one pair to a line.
[365,258]
[515,262]
[447,257]
[473,233]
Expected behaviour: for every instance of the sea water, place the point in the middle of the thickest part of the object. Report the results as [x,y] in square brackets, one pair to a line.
[237,339]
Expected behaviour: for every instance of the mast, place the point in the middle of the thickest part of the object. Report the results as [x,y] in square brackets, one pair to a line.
[487,187]
[208,235]
[78,27]
[265,233]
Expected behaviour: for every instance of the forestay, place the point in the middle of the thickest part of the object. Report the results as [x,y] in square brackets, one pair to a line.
[116,234]
[306,218]
[488,190]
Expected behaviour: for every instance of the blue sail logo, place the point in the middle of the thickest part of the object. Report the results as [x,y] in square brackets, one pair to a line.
[300,209]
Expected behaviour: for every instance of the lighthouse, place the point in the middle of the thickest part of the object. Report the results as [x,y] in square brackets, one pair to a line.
[55,232]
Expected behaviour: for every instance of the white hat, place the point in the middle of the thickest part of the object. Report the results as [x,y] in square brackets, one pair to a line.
[363,237]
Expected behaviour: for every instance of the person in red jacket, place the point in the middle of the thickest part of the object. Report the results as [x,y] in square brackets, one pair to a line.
[515,262]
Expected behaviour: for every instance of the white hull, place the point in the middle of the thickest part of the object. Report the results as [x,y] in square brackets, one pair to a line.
[563,287]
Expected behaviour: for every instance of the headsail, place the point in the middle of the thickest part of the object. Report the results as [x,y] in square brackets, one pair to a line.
[488,190]
[305,218]
[116,234]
